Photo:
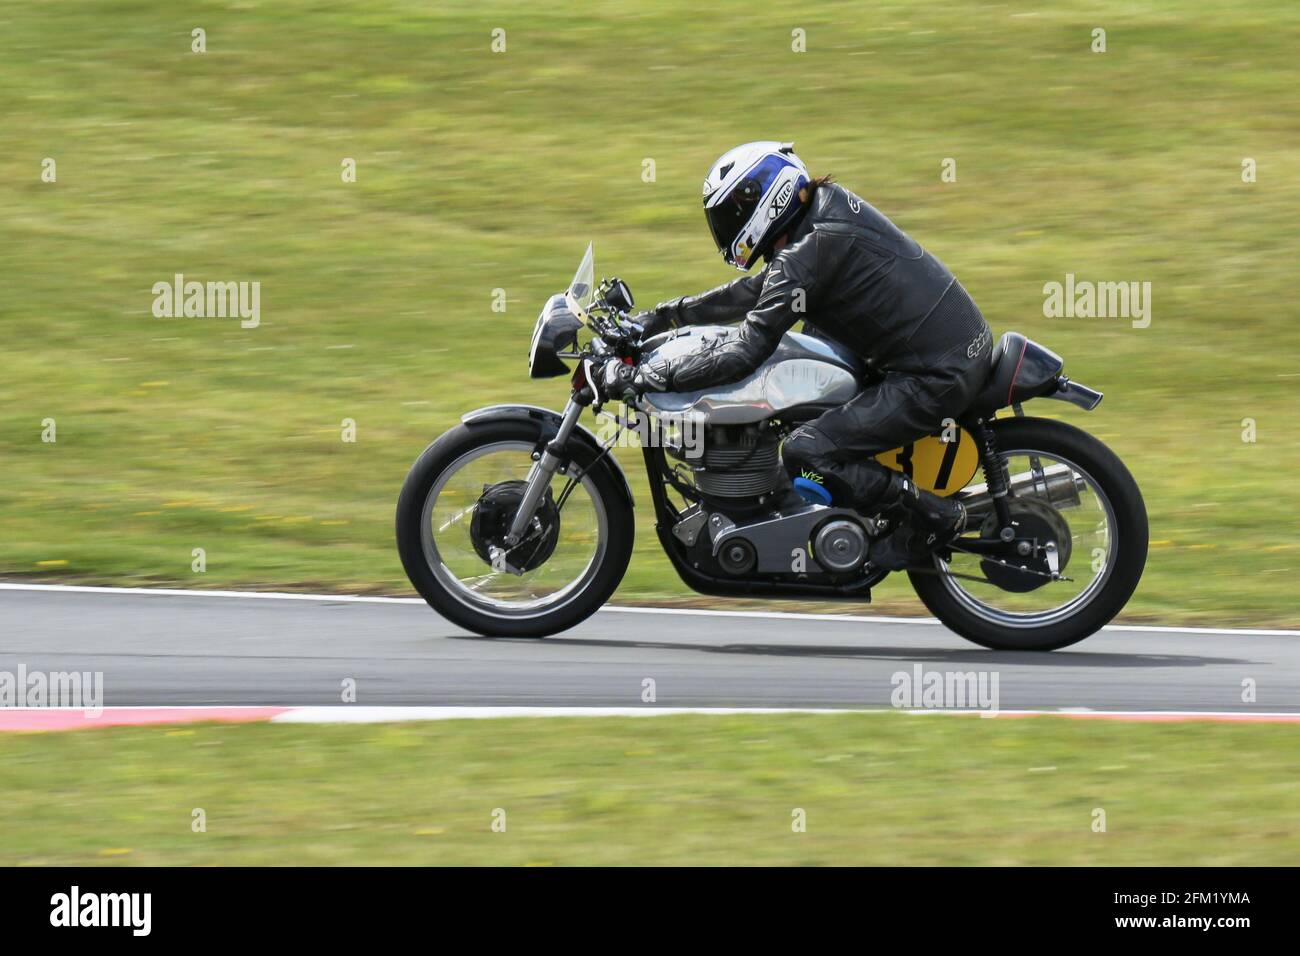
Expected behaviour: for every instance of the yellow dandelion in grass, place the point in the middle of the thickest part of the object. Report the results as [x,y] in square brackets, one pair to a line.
[58,563]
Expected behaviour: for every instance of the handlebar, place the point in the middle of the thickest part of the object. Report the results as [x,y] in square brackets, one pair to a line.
[614,328]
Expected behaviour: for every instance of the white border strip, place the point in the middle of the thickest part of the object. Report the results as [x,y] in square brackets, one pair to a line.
[349,714]
[684,611]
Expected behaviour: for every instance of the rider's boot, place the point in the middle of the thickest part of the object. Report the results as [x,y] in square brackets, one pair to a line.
[928,523]
[925,521]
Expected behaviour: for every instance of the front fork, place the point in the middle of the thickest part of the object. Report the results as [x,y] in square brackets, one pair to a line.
[545,464]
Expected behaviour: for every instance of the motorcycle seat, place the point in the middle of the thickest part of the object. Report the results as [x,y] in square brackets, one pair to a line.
[1019,369]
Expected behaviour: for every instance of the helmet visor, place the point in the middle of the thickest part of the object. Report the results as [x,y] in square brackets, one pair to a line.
[729,216]
[734,211]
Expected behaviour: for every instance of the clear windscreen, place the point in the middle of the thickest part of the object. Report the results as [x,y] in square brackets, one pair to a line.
[582,290]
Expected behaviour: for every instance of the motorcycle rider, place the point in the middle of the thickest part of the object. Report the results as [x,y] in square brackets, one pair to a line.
[836,263]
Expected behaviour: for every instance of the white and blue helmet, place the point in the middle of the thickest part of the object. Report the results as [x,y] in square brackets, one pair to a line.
[751,196]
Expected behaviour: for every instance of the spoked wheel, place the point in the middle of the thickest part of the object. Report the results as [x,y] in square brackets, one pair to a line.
[1068,489]
[453,514]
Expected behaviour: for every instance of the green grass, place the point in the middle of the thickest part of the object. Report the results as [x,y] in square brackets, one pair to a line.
[874,788]
[479,171]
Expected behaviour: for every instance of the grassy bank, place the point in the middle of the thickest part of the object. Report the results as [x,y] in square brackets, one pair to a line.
[479,171]
[873,788]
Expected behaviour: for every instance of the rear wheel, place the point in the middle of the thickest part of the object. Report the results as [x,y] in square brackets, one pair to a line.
[454,510]
[1070,489]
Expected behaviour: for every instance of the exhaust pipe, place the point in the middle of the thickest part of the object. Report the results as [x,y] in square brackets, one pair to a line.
[1076,394]
[1058,485]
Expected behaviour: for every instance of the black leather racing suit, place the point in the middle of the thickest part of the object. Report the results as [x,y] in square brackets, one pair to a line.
[852,276]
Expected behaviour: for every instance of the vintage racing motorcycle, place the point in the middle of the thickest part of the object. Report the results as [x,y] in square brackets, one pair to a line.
[519,521]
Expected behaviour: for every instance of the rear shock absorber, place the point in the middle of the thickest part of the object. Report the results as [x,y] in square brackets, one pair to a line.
[995,479]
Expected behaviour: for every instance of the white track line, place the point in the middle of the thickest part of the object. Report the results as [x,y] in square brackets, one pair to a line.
[881,619]
[561,710]
[685,611]
[47,719]
[181,592]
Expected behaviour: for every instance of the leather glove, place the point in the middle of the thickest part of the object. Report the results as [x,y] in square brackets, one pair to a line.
[617,379]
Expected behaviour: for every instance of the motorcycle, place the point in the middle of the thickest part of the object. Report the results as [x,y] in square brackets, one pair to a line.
[518,522]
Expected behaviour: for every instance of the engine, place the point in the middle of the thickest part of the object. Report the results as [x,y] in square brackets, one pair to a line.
[739,529]
[738,466]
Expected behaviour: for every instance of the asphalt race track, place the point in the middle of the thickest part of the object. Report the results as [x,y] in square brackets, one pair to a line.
[170,649]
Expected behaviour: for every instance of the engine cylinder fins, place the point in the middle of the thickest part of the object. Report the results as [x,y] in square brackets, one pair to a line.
[751,457]
[737,484]
[840,545]
[738,462]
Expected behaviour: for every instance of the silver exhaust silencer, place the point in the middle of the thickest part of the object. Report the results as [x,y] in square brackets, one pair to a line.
[1057,485]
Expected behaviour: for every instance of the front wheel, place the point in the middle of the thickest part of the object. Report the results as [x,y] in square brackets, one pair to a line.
[456,505]
[1068,488]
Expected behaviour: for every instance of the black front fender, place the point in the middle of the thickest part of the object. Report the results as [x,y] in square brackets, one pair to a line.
[548,424]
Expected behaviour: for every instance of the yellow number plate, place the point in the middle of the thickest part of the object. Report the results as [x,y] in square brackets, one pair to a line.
[936,465]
